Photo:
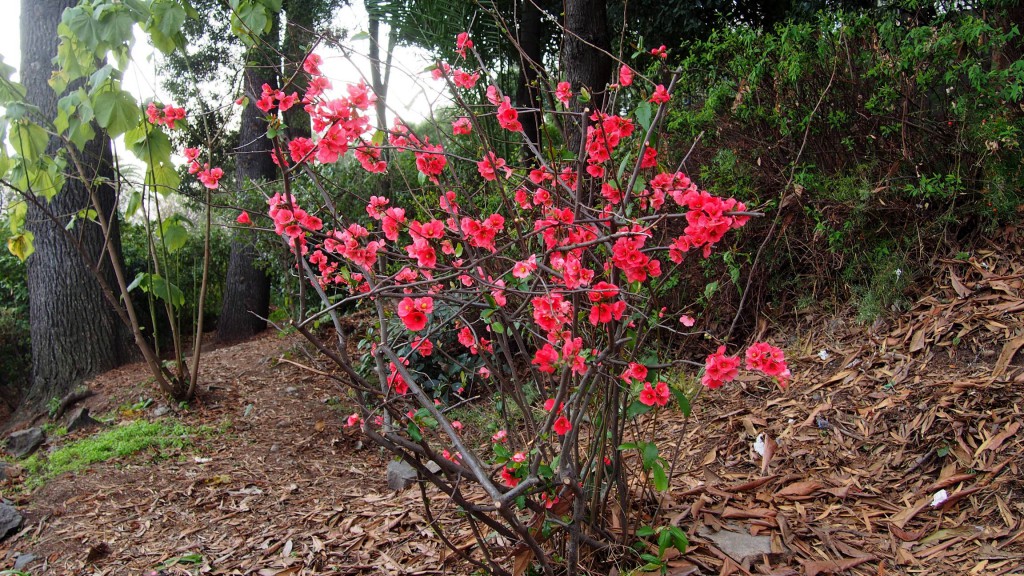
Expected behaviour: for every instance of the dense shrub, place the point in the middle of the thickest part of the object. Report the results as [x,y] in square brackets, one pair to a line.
[885,136]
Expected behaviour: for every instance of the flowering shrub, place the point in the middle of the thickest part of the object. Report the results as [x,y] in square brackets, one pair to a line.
[545,290]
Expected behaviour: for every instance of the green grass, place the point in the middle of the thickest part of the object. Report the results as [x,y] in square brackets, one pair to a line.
[118,442]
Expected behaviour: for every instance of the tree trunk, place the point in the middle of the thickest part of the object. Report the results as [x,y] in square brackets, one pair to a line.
[530,60]
[75,331]
[587,64]
[247,288]
[298,36]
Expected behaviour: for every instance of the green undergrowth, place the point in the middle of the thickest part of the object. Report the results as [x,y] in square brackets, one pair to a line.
[160,437]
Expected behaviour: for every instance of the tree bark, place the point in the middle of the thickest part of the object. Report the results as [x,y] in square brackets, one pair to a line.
[247,287]
[74,329]
[587,64]
[532,57]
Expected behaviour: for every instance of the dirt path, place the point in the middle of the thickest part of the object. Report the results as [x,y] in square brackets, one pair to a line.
[873,426]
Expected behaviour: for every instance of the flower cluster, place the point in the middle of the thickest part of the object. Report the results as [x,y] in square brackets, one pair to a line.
[210,177]
[166,116]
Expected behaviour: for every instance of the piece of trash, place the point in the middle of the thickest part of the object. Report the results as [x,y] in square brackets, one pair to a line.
[939,497]
[824,355]
[759,444]
[201,460]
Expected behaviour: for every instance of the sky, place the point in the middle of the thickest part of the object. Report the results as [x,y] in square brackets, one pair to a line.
[411,94]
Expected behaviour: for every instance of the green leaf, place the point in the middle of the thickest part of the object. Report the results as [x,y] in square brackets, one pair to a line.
[660,479]
[682,400]
[139,279]
[116,111]
[710,289]
[363,35]
[498,327]
[644,531]
[649,454]
[501,452]
[679,538]
[134,202]
[167,291]
[637,408]
[643,115]
[29,140]
[174,235]
[414,432]
[664,540]
[584,95]
[21,245]
[378,138]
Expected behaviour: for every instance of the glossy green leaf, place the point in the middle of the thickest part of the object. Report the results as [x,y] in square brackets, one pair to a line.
[173,234]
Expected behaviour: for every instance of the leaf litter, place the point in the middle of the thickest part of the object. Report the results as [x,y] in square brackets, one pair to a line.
[858,448]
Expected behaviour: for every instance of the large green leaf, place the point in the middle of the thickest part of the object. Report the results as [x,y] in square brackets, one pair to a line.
[174,235]
[29,140]
[116,111]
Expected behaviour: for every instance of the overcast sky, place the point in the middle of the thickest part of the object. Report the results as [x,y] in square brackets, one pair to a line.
[411,90]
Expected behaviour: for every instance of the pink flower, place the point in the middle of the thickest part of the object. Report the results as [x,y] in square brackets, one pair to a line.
[499,436]
[353,420]
[243,219]
[210,178]
[625,75]
[312,64]
[659,52]
[462,43]
[660,95]
[719,369]
[462,126]
[766,358]
[686,320]
[524,268]
[489,166]
[563,93]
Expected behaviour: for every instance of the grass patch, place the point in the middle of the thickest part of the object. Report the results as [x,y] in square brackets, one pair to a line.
[118,442]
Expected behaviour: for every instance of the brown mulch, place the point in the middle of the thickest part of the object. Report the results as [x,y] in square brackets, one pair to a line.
[875,422]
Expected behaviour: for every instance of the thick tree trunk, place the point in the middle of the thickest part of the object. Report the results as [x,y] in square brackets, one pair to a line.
[587,64]
[531,59]
[247,288]
[75,331]
[298,37]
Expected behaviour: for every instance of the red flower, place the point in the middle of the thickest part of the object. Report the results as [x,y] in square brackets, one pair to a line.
[243,219]
[462,126]
[562,426]
[545,357]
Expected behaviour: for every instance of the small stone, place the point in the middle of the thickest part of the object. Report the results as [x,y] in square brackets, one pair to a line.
[161,410]
[24,442]
[291,390]
[23,561]
[10,519]
[400,475]
[3,471]
[80,419]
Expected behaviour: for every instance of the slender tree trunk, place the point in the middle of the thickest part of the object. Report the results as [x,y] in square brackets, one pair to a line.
[247,287]
[75,331]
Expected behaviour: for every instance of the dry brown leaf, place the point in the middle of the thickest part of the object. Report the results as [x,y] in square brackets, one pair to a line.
[1009,350]
[961,290]
[800,490]
[815,567]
